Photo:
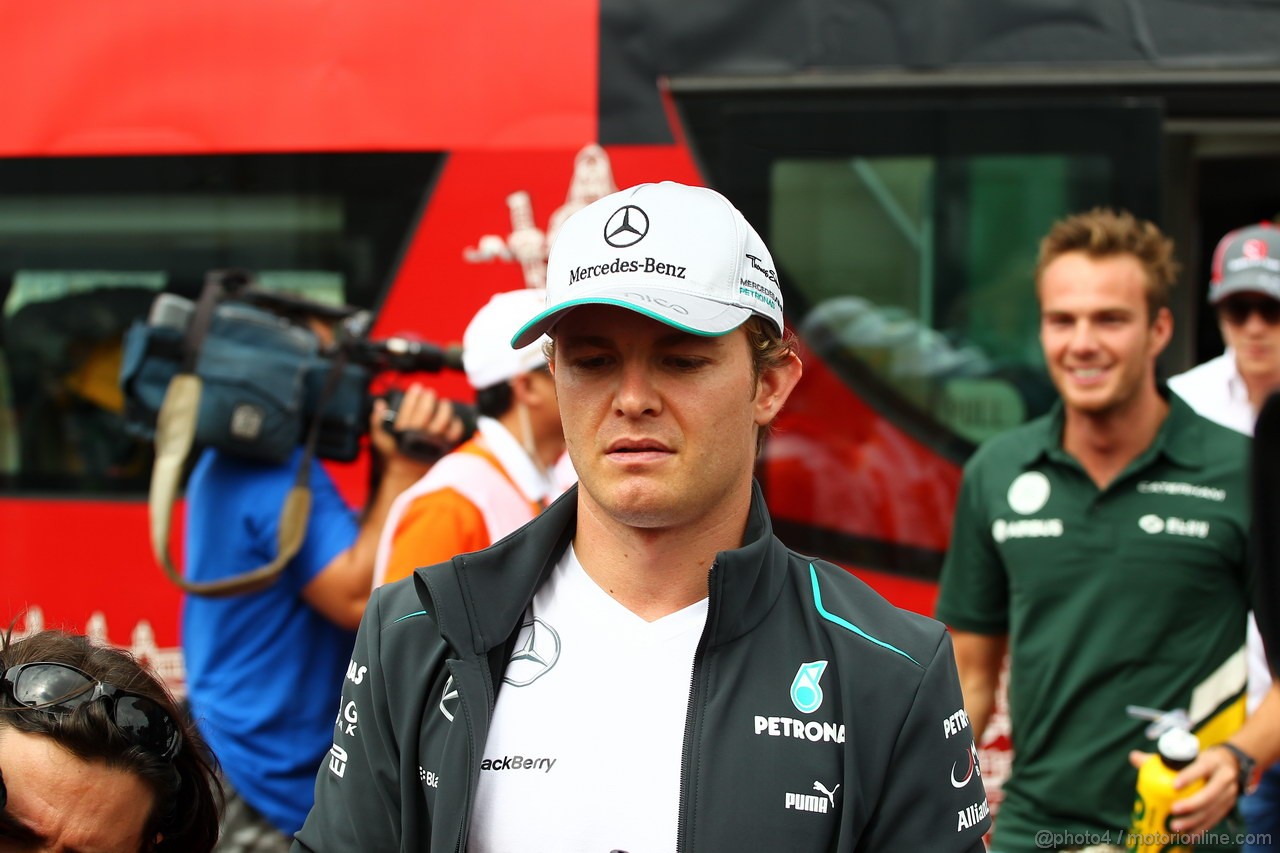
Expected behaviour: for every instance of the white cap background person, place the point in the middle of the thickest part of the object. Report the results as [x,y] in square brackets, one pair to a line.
[487,356]
[505,474]
[511,384]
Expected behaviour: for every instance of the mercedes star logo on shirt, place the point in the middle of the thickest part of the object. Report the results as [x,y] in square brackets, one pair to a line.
[537,650]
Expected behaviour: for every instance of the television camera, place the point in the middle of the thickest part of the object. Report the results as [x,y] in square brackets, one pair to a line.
[274,368]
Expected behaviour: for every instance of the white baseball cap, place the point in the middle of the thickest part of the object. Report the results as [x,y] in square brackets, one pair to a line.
[679,254]
[487,357]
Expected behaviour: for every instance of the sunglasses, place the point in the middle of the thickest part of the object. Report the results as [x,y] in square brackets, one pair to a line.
[57,688]
[1236,310]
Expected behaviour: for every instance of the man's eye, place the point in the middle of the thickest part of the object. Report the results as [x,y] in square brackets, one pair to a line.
[685,362]
[590,362]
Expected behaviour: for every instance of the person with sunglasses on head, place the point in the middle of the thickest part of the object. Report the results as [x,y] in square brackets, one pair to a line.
[1244,289]
[96,754]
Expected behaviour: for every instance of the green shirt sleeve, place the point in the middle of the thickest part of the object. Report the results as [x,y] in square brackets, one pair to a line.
[974,593]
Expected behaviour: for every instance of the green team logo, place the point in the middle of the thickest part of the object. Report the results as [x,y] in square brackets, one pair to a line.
[806,691]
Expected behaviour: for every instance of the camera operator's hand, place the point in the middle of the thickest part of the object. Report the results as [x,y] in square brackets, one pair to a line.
[424,421]
[341,590]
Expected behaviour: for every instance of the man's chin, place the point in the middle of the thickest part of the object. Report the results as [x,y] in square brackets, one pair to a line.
[1261,368]
[637,503]
[1089,403]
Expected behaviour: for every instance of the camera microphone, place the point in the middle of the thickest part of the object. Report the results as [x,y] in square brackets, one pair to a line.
[419,355]
[404,355]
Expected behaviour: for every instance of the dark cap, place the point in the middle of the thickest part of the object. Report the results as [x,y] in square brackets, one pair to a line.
[1246,261]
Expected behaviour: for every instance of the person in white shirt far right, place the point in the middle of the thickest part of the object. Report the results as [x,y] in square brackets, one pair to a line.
[1244,288]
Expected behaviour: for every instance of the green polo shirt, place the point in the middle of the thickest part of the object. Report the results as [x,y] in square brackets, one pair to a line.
[1135,594]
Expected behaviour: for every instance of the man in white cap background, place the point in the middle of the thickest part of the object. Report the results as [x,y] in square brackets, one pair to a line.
[644,667]
[505,474]
[1244,288]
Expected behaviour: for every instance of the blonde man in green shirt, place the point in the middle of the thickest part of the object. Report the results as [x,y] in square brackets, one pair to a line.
[1104,546]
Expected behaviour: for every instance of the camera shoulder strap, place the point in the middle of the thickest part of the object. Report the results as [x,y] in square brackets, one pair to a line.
[175,430]
[175,435]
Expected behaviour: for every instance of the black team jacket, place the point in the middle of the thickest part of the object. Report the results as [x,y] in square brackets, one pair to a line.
[883,719]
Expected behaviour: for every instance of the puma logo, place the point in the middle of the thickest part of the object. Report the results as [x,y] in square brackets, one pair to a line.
[831,795]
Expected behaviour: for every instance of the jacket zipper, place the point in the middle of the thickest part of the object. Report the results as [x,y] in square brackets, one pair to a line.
[464,820]
[690,723]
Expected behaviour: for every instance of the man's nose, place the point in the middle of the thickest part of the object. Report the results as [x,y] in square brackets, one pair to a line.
[1254,324]
[636,393]
[1083,337]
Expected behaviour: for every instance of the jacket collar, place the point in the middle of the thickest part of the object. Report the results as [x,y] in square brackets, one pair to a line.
[479,599]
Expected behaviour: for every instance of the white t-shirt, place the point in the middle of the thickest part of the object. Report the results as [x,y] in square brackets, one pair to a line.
[585,747]
[1216,391]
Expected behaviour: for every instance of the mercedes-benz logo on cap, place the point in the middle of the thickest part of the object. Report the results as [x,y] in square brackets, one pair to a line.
[626,227]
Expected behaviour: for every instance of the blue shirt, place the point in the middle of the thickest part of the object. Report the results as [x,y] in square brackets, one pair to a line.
[264,670]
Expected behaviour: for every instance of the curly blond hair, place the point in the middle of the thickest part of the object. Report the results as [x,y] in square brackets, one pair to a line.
[1103,232]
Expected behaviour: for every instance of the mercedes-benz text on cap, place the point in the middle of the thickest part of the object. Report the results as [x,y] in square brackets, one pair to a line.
[679,254]
[1246,260]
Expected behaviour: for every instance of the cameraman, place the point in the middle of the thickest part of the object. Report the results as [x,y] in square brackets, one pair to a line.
[265,669]
[507,473]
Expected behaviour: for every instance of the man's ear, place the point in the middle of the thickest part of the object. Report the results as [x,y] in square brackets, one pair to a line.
[1161,330]
[520,388]
[775,386]
[526,388]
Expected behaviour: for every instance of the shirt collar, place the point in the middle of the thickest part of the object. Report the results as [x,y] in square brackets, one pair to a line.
[1180,437]
[536,486]
[1237,392]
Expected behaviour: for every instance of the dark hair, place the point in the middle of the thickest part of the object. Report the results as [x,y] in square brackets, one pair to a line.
[1103,233]
[188,795]
[496,400]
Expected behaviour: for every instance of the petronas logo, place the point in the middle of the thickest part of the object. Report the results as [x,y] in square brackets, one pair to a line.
[806,689]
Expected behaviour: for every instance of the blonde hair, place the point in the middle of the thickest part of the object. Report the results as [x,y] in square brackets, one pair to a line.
[769,351]
[1103,232]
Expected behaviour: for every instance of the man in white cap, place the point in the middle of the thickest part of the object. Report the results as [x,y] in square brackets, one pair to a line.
[645,667]
[504,475]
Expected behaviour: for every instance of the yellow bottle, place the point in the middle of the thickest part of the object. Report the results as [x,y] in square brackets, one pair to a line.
[1149,830]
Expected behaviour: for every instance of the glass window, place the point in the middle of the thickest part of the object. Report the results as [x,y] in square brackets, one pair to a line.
[87,243]
[916,273]
[905,228]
